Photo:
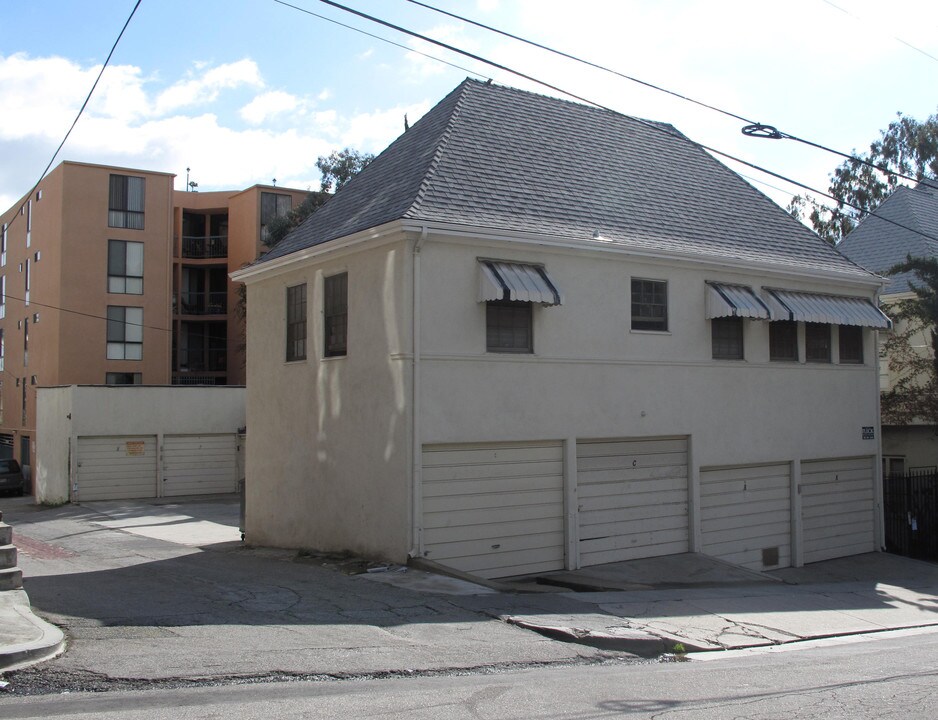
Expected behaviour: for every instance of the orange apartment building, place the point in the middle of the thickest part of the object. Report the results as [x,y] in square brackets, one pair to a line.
[108,276]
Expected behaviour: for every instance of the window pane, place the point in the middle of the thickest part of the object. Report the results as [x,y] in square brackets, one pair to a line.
[115,324]
[116,257]
[116,285]
[296,323]
[783,340]
[335,315]
[134,261]
[133,351]
[509,327]
[135,194]
[133,319]
[727,338]
[115,351]
[851,344]
[817,342]
[133,286]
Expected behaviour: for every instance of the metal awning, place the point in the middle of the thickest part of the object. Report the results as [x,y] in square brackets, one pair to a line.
[818,308]
[517,281]
[734,301]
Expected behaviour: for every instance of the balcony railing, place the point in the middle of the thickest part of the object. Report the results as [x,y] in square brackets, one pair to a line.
[199,360]
[213,246]
[202,303]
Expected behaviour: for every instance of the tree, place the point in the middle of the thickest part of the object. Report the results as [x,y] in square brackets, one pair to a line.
[337,169]
[913,395]
[907,146]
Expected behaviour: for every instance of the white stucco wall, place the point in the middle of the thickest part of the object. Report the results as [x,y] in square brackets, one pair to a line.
[69,412]
[590,376]
[328,439]
[330,464]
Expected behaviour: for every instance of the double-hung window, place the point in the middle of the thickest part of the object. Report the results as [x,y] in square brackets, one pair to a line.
[126,200]
[125,267]
[124,333]
[649,305]
[296,323]
[335,315]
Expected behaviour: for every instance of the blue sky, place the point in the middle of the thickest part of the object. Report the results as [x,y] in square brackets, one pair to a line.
[244,91]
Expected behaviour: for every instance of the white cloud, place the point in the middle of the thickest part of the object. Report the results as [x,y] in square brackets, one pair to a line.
[268,105]
[206,88]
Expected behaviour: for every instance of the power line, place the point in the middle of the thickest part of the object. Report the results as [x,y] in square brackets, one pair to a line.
[752,129]
[654,126]
[83,105]
[894,37]
[378,37]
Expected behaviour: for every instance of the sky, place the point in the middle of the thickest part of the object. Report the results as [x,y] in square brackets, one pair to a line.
[252,91]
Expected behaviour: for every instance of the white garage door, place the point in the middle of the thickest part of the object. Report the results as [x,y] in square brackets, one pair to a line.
[494,510]
[632,499]
[199,464]
[116,468]
[745,515]
[837,507]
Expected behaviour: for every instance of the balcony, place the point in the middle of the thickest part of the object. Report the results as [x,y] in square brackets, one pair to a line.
[200,248]
[199,360]
[203,303]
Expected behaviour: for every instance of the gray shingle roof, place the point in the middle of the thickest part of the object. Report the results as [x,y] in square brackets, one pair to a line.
[877,244]
[499,158]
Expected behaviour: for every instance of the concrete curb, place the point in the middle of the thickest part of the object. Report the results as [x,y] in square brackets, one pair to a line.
[41,640]
[630,640]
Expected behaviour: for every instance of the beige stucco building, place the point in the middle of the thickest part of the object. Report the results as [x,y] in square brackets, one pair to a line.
[108,276]
[464,359]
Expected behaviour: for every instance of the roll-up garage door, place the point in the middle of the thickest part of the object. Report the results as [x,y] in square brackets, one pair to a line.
[632,498]
[116,468]
[837,507]
[745,515]
[199,464]
[494,509]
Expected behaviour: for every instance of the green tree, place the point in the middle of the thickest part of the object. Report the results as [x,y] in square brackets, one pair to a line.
[337,169]
[911,351]
[907,146]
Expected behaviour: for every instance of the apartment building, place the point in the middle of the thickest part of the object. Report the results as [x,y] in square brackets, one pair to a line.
[108,276]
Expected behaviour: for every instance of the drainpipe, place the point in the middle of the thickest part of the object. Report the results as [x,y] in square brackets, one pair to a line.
[417,449]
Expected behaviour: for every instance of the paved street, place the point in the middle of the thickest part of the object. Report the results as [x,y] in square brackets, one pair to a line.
[138,606]
[892,676]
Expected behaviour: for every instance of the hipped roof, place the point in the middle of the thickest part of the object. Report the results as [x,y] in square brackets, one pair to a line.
[498,158]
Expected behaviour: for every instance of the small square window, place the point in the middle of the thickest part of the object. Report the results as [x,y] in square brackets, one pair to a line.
[649,305]
[851,344]
[783,340]
[509,327]
[726,335]
[817,342]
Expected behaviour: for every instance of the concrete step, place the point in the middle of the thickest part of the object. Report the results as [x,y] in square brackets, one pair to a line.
[7,556]
[6,534]
[11,578]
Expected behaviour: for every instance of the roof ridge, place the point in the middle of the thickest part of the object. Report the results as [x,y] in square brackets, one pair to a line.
[414,207]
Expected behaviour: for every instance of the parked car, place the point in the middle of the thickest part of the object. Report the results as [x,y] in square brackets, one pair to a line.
[11,477]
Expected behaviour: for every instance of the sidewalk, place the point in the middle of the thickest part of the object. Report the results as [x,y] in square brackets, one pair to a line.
[148,590]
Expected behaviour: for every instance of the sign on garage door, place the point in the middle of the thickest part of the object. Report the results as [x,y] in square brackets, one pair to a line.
[745,515]
[116,468]
[632,498]
[837,508]
[496,509]
[199,464]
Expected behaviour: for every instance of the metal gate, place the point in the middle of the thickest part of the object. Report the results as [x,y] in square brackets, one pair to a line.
[910,514]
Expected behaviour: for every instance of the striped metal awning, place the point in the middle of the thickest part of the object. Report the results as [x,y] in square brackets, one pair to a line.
[734,301]
[517,281]
[818,308]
